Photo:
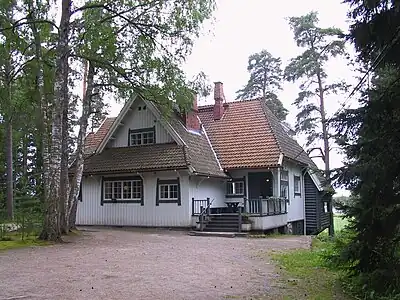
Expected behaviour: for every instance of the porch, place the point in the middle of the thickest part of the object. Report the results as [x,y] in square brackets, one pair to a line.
[253,214]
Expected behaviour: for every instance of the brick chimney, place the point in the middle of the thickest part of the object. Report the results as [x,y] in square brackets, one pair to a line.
[219,99]
[191,119]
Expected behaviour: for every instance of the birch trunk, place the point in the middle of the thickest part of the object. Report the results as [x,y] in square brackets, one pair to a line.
[51,227]
[79,160]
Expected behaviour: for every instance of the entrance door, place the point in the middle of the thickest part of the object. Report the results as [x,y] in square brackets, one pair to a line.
[260,184]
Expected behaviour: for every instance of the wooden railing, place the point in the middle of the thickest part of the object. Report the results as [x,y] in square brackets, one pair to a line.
[197,204]
[265,206]
[204,214]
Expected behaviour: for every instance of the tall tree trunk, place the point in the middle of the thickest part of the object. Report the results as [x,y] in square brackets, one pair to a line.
[51,227]
[10,173]
[325,137]
[64,165]
[79,159]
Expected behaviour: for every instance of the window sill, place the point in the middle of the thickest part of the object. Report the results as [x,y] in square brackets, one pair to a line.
[123,201]
[168,201]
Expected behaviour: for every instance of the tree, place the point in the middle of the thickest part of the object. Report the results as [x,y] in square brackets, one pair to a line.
[265,80]
[320,45]
[369,136]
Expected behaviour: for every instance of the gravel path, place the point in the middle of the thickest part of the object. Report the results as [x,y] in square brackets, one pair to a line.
[142,264]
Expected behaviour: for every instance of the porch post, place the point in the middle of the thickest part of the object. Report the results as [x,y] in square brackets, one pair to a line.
[208,206]
[240,218]
[201,218]
[279,182]
[260,205]
[245,204]
[193,206]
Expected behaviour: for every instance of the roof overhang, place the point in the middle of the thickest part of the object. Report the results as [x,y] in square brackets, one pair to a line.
[315,179]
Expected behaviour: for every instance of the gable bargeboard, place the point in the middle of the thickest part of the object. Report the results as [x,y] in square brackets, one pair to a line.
[140,116]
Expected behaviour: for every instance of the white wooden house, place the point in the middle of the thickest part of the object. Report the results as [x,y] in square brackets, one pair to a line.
[143,168]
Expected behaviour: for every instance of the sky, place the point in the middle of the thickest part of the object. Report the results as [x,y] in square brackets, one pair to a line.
[241,28]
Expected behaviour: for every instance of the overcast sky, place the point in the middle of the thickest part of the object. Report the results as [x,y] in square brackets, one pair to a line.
[244,27]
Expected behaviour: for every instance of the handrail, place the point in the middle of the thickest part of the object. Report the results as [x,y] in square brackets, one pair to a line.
[202,213]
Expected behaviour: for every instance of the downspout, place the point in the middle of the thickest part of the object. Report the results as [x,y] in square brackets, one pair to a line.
[304,171]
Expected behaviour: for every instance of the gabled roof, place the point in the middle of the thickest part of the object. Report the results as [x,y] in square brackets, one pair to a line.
[242,138]
[194,146]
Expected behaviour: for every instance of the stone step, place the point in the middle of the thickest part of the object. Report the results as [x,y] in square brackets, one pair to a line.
[219,234]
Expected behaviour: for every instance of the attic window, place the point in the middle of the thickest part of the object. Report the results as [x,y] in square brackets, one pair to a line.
[145,136]
[139,108]
[144,107]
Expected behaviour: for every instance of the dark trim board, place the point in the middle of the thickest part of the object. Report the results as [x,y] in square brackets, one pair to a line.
[168,181]
[121,178]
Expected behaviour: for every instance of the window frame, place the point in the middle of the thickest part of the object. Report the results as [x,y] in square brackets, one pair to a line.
[113,180]
[168,183]
[284,182]
[234,181]
[141,131]
[298,179]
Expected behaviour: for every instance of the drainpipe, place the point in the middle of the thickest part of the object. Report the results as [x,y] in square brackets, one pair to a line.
[303,192]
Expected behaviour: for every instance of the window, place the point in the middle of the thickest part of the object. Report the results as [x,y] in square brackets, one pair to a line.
[122,190]
[297,186]
[326,207]
[168,191]
[284,189]
[143,136]
[235,188]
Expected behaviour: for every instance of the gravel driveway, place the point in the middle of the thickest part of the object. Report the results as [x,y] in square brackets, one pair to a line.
[142,264]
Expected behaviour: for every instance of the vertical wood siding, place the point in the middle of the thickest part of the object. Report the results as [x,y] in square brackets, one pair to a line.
[311,202]
[138,119]
[90,212]
[203,188]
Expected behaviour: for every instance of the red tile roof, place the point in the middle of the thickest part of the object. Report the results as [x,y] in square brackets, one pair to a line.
[243,137]
[249,136]
[93,139]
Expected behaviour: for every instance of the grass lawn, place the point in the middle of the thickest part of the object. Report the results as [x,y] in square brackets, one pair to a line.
[18,243]
[304,276]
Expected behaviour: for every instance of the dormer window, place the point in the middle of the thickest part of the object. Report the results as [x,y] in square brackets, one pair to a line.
[145,136]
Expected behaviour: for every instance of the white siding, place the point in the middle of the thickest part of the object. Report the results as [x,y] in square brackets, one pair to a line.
[203,188]
[90,212]
[270,222]
[296,203]
[137,119]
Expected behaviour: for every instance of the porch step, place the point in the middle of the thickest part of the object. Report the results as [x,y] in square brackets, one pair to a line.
[218,233]
[223,223]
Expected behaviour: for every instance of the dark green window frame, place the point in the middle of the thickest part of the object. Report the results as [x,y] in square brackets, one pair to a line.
[141,131]
[168,182]
[297,179]
[233,181]
[122,180]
